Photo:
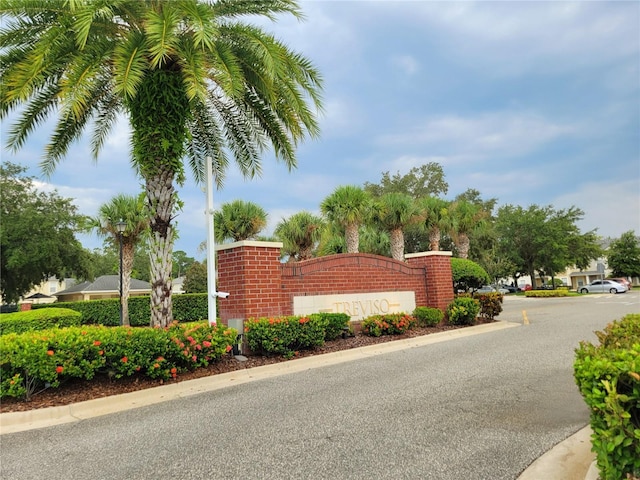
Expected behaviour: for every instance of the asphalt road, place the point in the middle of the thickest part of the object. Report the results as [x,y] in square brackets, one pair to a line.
[479,407]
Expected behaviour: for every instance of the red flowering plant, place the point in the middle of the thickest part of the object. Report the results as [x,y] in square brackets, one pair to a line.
[32,361]
[388,324]
[197,344]
[284,335]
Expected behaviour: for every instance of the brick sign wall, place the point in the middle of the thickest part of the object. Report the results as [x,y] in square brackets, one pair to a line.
[260,285]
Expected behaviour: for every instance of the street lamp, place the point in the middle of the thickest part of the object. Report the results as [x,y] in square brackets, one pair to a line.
[121,227]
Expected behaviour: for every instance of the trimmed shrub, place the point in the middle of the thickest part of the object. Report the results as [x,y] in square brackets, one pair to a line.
[20,322]
[608,376]
[187,307]
[467,275]
[563,292]
[284,335]
[428,316]
[336,324]
[34,360]
[463,311]
[388,324]
[490,304]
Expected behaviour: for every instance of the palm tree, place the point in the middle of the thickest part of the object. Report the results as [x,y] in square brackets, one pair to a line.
[190,76]
[436,214]
[393,213]
[348,206]
[130,210]
[238,220]
[299,234]
[466,218]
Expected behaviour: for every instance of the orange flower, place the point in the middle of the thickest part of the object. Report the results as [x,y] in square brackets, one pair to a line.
[124,359]
[101,352]
[97,343]
[174,370]
[50,352]
[59,369]
[229,347]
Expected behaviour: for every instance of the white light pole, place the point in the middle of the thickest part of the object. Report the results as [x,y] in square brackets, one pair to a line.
[211,253]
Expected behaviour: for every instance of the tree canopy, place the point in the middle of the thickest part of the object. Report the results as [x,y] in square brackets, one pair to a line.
[37,235]
[193,79]
[543,240]
[623,255]
[425,180]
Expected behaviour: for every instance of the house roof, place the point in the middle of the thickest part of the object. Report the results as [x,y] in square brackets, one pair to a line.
[105,283]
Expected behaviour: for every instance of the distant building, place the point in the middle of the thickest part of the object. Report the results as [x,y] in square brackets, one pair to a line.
[106,286]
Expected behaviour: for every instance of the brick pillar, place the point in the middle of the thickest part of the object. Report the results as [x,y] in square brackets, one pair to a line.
[439,278]
[25,307]
[250,272]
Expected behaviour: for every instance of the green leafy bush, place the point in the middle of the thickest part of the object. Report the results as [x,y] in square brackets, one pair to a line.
[608,376]
[490,304]
[35,360]
[463,311]
[387,324]
[30,320]
[284,335]
[467,275]
[428,316]
[337,323]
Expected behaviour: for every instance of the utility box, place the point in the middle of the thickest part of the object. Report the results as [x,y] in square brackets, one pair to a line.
[238,325]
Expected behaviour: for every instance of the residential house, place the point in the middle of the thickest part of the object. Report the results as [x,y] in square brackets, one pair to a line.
[106,286]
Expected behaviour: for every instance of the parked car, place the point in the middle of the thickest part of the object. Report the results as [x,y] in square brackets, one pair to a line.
[622,281]
[492,289]
[509,288]
[603,286]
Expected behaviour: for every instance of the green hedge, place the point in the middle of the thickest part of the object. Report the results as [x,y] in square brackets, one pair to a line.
[285,335]
[428,316]
[188,307]
[20,322]
[336,324]
[608,376]
[558,292]
[34,360]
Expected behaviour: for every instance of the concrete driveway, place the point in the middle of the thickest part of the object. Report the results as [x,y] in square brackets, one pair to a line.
[474,407]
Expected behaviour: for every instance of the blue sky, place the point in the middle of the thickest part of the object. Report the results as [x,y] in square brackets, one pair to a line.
[527,102]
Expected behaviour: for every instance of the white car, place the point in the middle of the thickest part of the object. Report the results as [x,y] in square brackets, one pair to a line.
[603,286]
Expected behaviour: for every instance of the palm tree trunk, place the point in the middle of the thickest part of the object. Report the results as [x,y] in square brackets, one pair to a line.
[434,239]
[397,244]
[161,199]
[463,245]
[352,237]
[127,267]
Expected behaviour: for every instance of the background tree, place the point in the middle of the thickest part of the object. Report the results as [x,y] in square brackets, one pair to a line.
[299,235]
[466,218]
[374,240]
[349,206]
[541,239]
[181,262]
[37,235]
[392,213]
[195,279]
[623,255]
[238,220]
[423,181]
[130,210]
[436,214]
[190,77]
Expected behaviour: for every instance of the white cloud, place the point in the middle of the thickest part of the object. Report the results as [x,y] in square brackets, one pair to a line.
[407,63]
[498,134]
[611,207]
